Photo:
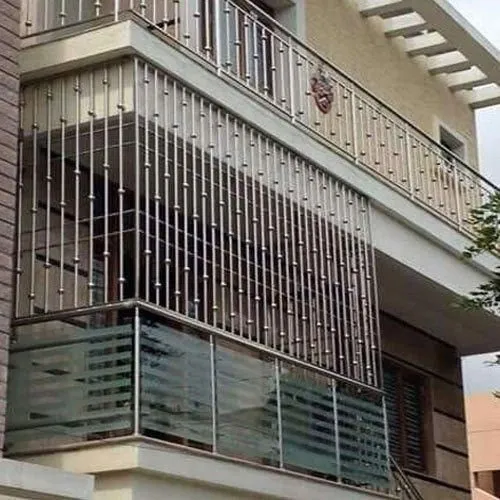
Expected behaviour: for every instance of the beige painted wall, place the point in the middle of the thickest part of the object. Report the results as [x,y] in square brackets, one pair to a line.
[483,426]
[359,47]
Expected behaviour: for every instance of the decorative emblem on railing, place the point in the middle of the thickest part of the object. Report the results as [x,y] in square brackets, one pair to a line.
[322,90]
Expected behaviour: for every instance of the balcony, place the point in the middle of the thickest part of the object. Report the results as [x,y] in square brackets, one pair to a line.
[244,44]
[131,372]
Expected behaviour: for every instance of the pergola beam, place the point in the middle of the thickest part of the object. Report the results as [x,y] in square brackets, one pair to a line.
[466,80]
[384,8]
[448,63]
[483,97]
[405,25]
[428,44]
[461,34]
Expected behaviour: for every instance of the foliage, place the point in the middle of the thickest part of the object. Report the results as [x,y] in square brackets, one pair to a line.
[485,222]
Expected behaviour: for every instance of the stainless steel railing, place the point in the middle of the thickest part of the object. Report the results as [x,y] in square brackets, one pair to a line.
[401,484]
[245,43]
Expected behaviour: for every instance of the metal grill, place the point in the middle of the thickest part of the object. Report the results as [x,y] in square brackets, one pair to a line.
[242,41]
[135,186]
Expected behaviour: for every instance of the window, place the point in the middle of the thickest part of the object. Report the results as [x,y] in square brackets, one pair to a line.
[406,401]
[452,144]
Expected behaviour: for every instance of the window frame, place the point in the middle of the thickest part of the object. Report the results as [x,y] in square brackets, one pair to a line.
[427,457]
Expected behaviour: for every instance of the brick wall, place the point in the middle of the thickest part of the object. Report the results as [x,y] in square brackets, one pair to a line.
[9,94]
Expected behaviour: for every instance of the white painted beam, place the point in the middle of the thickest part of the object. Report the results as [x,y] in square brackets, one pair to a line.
[461,34]
[428,44]
[448,63]
[484,97]
[466,80]
[405,25]
[384,8]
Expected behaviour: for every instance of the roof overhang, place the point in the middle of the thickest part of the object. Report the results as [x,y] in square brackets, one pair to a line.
[451,47]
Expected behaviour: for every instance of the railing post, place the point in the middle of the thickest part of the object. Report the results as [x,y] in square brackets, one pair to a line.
[213,394]
[278,410]
[137,371]
[116,10]
[291,79]
[217,35]
[354,122]
[458,197]
[336,430]
[409,162]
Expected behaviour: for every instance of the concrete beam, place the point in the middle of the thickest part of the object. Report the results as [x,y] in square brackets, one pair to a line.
[35,482]
[461,34]
[466,80]
[405,25]
[448,63]
[484,97]
[384,8]
[428,44]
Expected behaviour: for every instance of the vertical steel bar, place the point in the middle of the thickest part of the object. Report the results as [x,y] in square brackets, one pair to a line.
[34,199]
[262,297]
[147,178]
[213,216]
[239,235]
[279,185]
[106,168]
[121,183]
[48,212]
[62,202]
[137,183]
[76,256]
[177,207]
[343,284]
[91,196]
[247,184]
[157,192]
[354,128]
[167,187]
[194,190]
[369,291]
[217,33]
[204,209]
[255,238]
[291,79]
[271,296]
[230,161]
[222,230]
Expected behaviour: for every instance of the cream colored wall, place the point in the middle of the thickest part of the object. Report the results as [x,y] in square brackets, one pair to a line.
[359,47]
[483,428]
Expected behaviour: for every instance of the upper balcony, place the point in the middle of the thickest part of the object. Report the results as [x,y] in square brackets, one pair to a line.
[242,42]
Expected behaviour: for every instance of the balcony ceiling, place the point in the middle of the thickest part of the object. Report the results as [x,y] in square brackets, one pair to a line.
[452,49]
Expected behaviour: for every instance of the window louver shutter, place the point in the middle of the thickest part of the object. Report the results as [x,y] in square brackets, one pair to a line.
[412,403]
[393,414]
[405,416]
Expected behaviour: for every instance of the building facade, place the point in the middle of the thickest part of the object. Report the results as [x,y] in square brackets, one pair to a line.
[482,433]
[236,246]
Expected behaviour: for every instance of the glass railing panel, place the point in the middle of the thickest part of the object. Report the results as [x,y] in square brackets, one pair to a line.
[176,387]
[72,382]
[308,422]
[362,437]
[247,416]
